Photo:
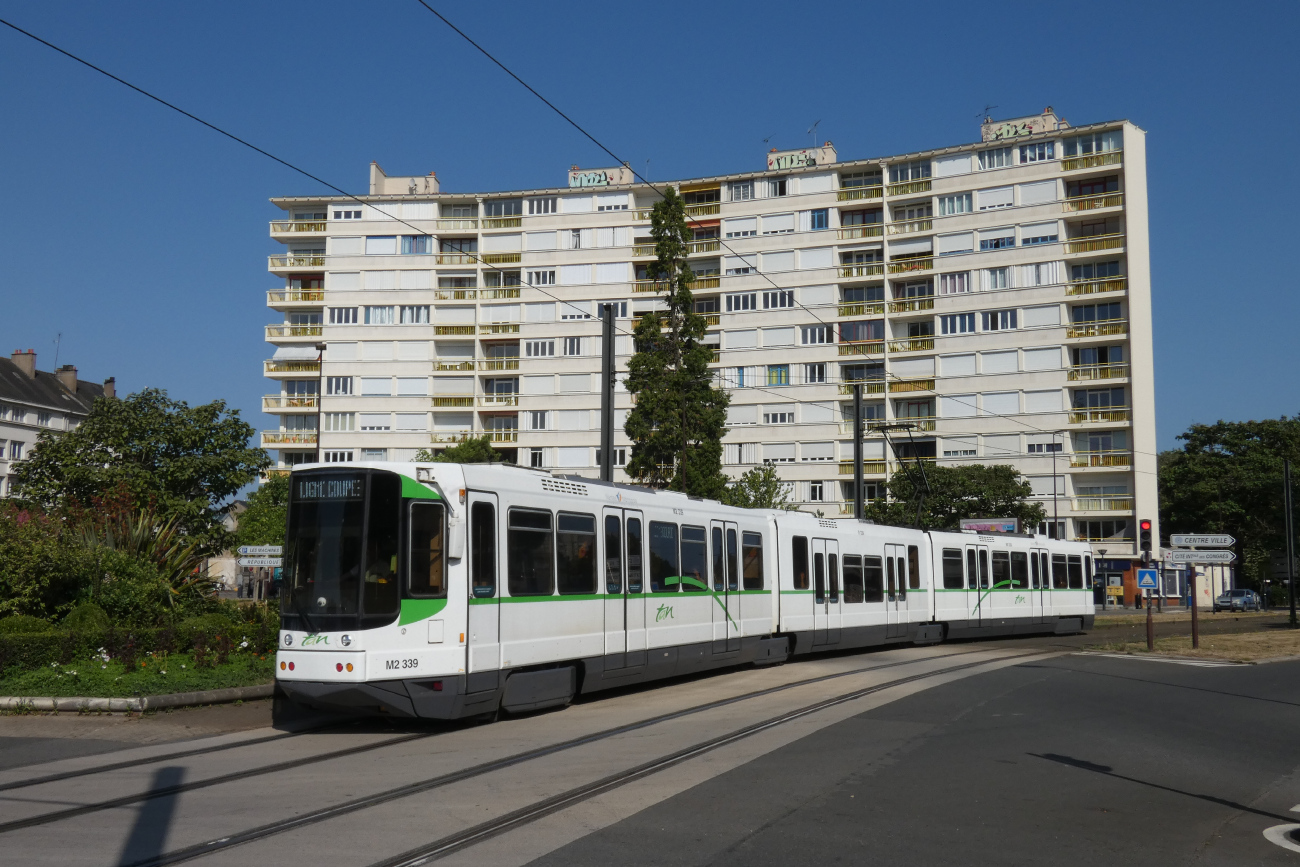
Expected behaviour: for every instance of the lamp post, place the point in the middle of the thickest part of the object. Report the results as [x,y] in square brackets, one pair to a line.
[1105,589]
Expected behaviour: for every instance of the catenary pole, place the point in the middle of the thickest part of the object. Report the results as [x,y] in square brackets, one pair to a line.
[858,507]
[607,393]
[1290,535]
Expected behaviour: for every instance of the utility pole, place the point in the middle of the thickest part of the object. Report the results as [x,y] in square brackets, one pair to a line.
[1290,535]
[1196,624]
[320,394]
[859,510]
[607,393]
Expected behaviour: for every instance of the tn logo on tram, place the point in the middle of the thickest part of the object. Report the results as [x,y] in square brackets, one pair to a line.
[664,612]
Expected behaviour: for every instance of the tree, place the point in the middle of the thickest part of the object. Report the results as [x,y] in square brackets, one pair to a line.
[477,450]
[263,522]
[677,424]
[972,491]
[183,461]
[1227,478]
[758,488]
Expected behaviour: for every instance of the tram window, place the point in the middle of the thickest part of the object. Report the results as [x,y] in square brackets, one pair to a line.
[1075,570]
[799,547]
[902,578]
[695,560]
[633,555]
[379,590]
[663,557]
[873,589]
[913,567]
[1059,579]
[953,577]
[852,578]
[1019,570]
[1033,571]
[530,554]
[575,553]
[833,573]
[819,578]
[970,569]
[1042,570]
[613,555]
[1088,574]
[984,568]
[425,575]
[889,577]
[483,549]
[753,549]
[1001,570]
[719,569]
[733,562]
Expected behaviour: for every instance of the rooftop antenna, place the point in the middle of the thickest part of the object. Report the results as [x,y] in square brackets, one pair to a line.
[812,131]
[58,338]
[768,139]
[988,118]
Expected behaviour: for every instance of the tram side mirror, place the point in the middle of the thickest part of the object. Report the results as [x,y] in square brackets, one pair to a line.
[455,538]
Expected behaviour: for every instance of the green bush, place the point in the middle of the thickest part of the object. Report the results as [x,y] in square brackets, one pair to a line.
[132,593]
[86,617]
[43,572]
[211,625]
[20,624]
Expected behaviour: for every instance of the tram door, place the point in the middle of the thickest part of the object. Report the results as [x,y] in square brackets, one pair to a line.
[1036,583]
[724,545]
[896,590]
[978,584]
[484,645]
[826,592]
[1045,583]
[625,637]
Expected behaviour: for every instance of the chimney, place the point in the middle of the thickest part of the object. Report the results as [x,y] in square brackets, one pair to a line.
[110,387]
[26,361]
[67,375]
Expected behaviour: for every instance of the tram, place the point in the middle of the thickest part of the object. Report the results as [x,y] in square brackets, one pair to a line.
[444,590]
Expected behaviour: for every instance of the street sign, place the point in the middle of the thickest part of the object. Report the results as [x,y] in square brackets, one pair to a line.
[260,561]
[1192,540]
[1148,579]
[261,550]
[1200,557]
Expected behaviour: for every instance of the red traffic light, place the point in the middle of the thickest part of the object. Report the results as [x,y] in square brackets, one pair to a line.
[1145,525]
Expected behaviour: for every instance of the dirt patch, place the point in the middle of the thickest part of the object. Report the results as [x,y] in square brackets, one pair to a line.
[1236,647]
[1181,615]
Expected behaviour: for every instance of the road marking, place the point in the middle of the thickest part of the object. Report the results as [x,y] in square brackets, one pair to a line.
[1281,836]
[1296,809]
[1194,662]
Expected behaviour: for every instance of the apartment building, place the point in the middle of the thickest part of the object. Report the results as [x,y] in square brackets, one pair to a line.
[995,296]
[33,400]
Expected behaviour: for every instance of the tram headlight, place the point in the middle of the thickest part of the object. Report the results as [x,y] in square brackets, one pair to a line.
[345,640]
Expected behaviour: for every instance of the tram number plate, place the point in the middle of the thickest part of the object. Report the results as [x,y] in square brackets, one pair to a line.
[401,663]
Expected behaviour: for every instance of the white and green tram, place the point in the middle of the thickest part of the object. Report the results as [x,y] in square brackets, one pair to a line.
[447,590]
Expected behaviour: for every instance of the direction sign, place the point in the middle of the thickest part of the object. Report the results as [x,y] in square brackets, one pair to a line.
[260,561]
[1193,540]
[1148,579]
[261,550]
[1200,557]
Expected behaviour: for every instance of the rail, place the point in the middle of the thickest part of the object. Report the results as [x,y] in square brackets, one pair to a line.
[1092,161]
[912,344]
[1092,203]
[911,305]
[1101,328]
[502,222]
[449,330]
[273,367]
[451,436]
[853,194]
[498,400]
[458,223]
[862,347]
[449,366]
[908,226]
[290,401]
[870,230]
[280,227]
[293,296]
[295,262]
[289,437]
[1094,287]
[498,364]
[903,266]
[872,468]
[503,436]
[1094,243]
[908,188]
[866,308]
[452,401]
[1089,372]
[1101,459]
[457,259]
[501,258]
[275,331]
[902,386]
[868,269]
[455,294]
[1103,504]
[1100,416]
[499,328]
[875,387]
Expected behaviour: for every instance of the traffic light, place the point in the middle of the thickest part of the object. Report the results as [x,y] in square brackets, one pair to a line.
[1144,540]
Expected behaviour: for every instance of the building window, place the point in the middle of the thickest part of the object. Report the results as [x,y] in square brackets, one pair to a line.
[997,278]
[1001,242]
[856,332]
[1104,531]
[43,419]
[375,421]
[1083,313]
[1086,271]
[862,293]
[338,385]
[814,373]
[954,284]
[503,208]
[535,458]
[573,346]
[739,303]
[1043,448]
[776,187]
[4,412]
[913,171]
[541,278]
[1037,153]
[374,454]
[1043,233]
[1096,143]
[995,158]
[737,378]
[862,217]
[337,456]
[340,421]
[620,206]
[348,215]
[740,191]
[818,334]
[15,451]
[998,320]
[1052,529]
[819,219]
[619,454]
[778,418]
[958,204]
[779,299]
[860,257]
[537,420]
[1092,187]
[343,316]
[569,310]
[1098,398]
[860,179]
[539,348]
[959,323]
[379,315]
[458,245]
[417,243]
[415,314]
[816,492]
[778,374]
[544,205]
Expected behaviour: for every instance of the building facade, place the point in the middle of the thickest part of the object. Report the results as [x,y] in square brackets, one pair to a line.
[33,400]
[994,296]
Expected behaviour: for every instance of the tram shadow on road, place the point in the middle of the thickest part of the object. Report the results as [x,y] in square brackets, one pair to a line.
[153,821]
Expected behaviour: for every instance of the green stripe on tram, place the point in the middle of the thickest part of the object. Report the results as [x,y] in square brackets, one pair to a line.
[414,490]
[419,609]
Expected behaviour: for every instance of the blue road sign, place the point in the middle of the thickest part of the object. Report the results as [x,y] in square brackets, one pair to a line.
[1148,579]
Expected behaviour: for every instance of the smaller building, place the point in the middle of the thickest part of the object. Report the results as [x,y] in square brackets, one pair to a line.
[33,400]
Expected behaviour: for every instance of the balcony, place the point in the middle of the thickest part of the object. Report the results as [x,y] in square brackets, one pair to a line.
[501,258]
[441,402]
[452,330]
[280,263]
[283,332]
[1089,372]
[277,438]
[862,347]
[498,364]
[502,436]
[1101,416]
[868,387]
[902,386]
[1103,504]
[869,468]
[1094,243]
[281,368]
[498,400]
[853,194]
[1095,287]
[1101,459]
[285,297]
[904,266]
[919,422]
[868,269]
[450,436]
[297,227]
[703,210]
[1104,328]
[866,308]
[1092,161]
[848,233]
[911,305]
[712,319]
[459,259]
[497,294]
[912,344]
[455,294]
[1093,203]
[909,188]
[641,251]
[451,366]
[847,508]
[290,402]
[499,328]
[502,222]
[660,286]
[444,225]
[908,226]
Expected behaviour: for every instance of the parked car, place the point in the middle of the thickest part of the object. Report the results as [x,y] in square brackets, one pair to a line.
[1237,600]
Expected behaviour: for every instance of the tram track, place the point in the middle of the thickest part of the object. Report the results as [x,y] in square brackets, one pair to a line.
[447,845]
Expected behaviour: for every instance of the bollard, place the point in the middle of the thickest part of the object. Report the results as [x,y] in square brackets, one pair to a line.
[1151,628]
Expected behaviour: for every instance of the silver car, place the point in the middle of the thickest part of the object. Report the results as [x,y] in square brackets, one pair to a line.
[1237,600]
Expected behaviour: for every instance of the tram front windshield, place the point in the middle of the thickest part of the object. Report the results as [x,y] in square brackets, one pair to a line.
[341,550]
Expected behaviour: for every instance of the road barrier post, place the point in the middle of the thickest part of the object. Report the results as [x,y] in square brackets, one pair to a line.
[1151,626]
[1196,625]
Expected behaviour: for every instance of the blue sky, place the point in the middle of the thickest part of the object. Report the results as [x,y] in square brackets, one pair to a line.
[141,236]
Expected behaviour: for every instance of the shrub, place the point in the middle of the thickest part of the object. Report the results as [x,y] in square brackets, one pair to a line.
[19,624]
[86,617]
[208,625]
[131,592]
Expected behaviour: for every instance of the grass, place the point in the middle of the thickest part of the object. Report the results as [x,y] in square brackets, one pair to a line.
[154,674]
[1235,647]
[1126,617]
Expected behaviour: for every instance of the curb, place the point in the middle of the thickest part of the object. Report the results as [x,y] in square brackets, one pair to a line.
[141,703]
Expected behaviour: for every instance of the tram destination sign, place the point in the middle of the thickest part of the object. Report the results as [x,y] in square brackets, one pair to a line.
[261,561]
[1197,540]
[330,488]
[1200,557]
[261,550]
